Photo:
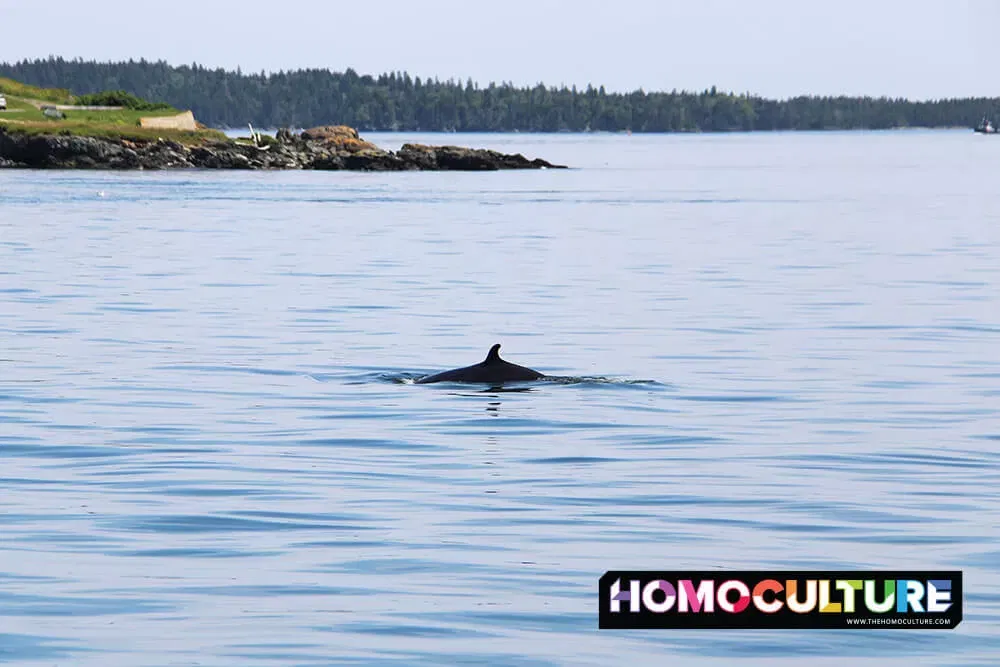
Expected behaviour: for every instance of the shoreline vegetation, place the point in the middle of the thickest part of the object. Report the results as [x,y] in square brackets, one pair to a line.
[115,115]
[51,128]
[398,102]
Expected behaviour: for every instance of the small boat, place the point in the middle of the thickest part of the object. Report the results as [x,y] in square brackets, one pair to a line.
[985,127]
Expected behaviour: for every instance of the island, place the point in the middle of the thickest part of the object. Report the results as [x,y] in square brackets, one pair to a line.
[53,129]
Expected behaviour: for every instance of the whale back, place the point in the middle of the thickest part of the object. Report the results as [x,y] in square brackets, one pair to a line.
[493,369]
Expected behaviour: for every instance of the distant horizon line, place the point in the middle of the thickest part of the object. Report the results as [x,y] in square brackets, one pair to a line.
[502,84]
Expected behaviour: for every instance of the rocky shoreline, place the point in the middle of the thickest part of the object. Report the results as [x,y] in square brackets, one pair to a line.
[326,148]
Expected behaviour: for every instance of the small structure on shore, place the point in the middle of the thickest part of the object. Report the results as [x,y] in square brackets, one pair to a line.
[182,121]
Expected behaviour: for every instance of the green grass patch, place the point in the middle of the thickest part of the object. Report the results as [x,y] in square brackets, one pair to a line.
[19,109]
[56,95]
[122,117]
[109,131]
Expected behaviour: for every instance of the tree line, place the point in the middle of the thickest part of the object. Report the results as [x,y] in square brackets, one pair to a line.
[397,101]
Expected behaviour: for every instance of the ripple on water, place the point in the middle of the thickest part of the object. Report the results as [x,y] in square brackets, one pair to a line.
[214,451]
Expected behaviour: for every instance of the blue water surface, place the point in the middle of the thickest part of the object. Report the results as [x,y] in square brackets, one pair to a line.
[210,452]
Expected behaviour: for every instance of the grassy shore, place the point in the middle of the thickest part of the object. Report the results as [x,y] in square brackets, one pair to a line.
[12,88]
[24,115]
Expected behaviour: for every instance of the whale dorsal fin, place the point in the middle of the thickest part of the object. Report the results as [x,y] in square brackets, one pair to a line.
[494,354]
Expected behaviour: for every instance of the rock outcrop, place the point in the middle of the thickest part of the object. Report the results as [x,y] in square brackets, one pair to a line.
[456,158]
[328,148]
[335,137]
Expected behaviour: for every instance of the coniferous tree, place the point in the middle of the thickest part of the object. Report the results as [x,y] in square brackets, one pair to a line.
[397,101]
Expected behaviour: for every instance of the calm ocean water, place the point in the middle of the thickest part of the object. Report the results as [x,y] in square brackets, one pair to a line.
[209,457]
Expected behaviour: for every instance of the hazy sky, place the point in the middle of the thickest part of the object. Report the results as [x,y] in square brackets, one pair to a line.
[919,49]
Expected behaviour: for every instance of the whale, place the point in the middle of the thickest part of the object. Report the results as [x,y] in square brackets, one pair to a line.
[492,370]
